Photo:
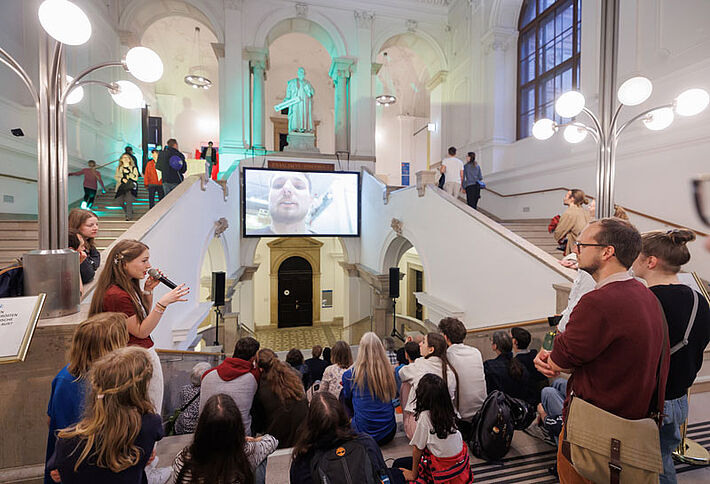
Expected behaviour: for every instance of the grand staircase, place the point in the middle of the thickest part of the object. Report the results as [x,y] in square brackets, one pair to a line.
[535,232]
[20,236]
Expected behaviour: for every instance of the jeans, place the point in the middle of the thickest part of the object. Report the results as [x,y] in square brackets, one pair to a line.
[126,199]
[154,190]
[168,187]
[676,412]
[473,193]
[553,397]
[89,195]
[260,472]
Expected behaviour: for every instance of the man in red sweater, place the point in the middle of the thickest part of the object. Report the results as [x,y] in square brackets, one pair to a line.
[614,338]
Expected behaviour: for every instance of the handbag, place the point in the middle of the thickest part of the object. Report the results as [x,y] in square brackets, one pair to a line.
[603,447]
[170,422]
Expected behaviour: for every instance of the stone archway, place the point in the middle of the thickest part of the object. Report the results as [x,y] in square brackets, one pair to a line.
[285,248]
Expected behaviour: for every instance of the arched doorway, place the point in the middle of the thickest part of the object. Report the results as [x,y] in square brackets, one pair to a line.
[295,293]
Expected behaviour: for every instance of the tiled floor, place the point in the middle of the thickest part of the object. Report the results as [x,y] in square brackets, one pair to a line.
[282,339]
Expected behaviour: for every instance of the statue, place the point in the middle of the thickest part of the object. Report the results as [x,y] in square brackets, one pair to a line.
[299,101]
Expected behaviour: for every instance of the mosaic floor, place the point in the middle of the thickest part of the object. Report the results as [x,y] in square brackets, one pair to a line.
[283,339]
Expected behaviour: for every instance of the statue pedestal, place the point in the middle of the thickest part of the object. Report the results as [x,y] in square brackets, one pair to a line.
[301,143]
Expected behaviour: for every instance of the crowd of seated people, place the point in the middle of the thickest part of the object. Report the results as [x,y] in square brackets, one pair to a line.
[253,403]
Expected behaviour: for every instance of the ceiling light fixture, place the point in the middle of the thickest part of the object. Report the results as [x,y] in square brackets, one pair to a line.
[197,74]
[385,99]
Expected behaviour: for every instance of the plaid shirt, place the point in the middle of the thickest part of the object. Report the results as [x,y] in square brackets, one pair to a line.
[393,357]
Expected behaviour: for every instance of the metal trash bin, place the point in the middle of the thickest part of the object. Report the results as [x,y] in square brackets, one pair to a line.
[55,273]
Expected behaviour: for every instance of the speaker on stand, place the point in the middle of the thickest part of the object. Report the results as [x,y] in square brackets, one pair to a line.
[394,294]
[218,290]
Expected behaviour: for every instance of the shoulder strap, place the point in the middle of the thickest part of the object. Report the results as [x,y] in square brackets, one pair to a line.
[182,409]
[689,327]
[655,409]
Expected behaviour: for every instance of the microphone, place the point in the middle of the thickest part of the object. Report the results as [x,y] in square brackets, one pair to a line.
[157,275]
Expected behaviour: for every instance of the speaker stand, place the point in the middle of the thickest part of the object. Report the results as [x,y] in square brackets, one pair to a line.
[218,314]
[395,333]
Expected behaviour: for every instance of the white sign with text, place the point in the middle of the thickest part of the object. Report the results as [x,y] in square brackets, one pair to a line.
[18,319]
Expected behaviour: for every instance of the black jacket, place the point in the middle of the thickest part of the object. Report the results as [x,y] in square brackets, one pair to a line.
[316,366]
[498,377]
[170,175]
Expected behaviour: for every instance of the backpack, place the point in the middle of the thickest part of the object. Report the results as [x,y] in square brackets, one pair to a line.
[11,281]
[493,428]
[346,463]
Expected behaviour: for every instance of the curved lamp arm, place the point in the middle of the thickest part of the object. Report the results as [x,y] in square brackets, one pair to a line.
[589,129]
[111,86]
[86,72]
[639,116]
[10,62]
[597,125]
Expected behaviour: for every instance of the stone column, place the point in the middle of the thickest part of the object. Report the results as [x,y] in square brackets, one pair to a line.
[436,102]
[362,101]
[340,70]
[258,63]
[232,68]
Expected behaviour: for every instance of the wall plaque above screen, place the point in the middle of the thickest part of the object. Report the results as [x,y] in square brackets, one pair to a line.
[300,203]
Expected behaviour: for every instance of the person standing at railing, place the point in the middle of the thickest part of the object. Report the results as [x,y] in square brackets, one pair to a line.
[688,315]
[91,176]
[472,180]
[126,184]
[573,220]
[452,168]
[152,180]
[171,164]
[118,290]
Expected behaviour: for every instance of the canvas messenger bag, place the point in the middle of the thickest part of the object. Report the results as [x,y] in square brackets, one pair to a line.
[605,448]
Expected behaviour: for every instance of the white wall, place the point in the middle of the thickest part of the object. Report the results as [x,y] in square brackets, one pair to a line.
[467,263]
[667,44]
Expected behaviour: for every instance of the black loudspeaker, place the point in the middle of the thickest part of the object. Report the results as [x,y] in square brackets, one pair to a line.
[394,282]
[218,280]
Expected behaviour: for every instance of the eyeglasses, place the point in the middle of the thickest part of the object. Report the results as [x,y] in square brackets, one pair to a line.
[701,190]
[579,245]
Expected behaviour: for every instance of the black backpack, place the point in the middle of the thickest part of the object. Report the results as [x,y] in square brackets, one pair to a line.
[493,428]
[346,463]
[11,279]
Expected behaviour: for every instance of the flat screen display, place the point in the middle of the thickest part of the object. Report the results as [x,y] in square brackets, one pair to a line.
[300,203]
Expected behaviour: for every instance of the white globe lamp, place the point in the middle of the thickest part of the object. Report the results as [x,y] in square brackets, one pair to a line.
[570,104]
[76,94]
[544,128]
[128,95]
[64,21]
[144,64]
[634,91]
[574,134]
[659,119]
[691,102]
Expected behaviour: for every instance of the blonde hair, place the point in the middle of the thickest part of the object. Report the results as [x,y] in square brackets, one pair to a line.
[114,410]
[114,273]
[372,368]
[77,217]
[94,338]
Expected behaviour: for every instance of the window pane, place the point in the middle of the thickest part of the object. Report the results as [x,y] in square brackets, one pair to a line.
[527,99]
[527,70]
[544,4]
[567,80]
[564,17]
[547,30]
[527,44]
[528,14]
[526,121]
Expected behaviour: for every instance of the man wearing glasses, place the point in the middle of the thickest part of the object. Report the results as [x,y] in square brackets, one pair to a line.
[613,340]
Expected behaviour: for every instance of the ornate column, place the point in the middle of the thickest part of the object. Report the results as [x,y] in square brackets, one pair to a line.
[362,99]
[258,63]
[340,70]
[233,76]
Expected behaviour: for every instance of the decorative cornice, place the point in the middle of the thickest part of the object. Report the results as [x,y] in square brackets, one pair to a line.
[218,50]
[302,10]
[341,67]
[364,18]
[233,4]
[257,57]
[375,69]
[498,40]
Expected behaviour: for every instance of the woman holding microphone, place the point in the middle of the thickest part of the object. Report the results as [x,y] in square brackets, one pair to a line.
[118,290]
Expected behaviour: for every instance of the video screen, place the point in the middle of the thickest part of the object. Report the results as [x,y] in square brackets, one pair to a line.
[281,203]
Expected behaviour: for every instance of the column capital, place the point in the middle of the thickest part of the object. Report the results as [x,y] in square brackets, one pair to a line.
[498,39]
[436,80]
[364,18]
[257,57]
[341,67]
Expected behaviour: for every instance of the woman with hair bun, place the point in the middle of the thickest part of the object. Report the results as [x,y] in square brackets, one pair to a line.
[573,220]
[688,315]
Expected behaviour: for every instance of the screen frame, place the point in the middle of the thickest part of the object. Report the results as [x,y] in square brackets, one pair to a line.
[244,203]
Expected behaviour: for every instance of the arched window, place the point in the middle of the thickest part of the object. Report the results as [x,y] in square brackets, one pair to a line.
[548,58]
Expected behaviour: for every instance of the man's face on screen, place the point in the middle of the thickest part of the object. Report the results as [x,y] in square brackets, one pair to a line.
[289,198]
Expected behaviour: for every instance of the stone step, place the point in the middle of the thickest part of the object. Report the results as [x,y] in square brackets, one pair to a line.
[18,234]
[6,225]
[19,244]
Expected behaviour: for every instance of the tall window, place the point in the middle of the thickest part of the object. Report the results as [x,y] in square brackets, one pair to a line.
[548,58]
